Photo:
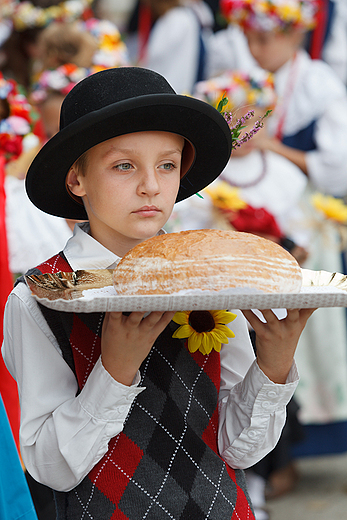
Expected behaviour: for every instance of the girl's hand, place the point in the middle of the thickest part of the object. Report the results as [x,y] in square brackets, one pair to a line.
[276,340]
[127,340]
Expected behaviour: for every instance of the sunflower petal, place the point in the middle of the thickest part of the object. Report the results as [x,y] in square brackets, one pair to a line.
[225,330]
[223,316]
[181,317]
[219,335]
[206,344]
[194,342]
[216,344]
[184,331]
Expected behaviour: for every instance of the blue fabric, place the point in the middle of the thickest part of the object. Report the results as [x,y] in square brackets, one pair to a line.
[202,59]
[303,140]
[200,75]
[322,439]
[15,498]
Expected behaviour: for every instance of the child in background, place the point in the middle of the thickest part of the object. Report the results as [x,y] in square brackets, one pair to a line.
[28,19]
[177,41]
[134,430]
[311,99]
[31,234]
[264,179]
[68,53]
[61,43]
[90,43]
[308,127]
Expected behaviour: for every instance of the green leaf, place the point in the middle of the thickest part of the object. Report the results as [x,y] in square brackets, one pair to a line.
[223,102]
[200,196]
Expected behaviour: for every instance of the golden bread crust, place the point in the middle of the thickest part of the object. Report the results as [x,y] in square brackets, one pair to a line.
[207,259]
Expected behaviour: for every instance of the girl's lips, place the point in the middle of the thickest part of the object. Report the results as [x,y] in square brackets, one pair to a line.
[147,211]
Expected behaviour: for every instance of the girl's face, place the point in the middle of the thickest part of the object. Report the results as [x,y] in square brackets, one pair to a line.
[273,49]
[50,114]
[129,187]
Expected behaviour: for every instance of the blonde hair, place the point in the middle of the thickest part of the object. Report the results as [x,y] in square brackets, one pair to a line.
[62,43]
[80,164]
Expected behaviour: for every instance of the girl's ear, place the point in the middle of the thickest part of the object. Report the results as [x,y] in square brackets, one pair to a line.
[73,183]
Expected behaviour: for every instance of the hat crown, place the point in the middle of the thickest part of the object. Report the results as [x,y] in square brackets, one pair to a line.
[109,87]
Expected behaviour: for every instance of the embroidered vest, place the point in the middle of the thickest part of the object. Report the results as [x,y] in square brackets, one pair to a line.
[164,465]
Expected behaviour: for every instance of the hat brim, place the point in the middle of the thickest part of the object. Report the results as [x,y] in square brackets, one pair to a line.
[193,119]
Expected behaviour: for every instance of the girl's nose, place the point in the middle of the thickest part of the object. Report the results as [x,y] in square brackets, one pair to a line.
[149,184]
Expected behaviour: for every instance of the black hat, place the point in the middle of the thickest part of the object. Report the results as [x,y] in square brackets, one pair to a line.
[120,101]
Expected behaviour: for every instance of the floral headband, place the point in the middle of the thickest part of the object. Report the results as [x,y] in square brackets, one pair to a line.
[240,88]
[17,120]
[60,80]
[6,9]
[25,15]
[269,15]
[112,51]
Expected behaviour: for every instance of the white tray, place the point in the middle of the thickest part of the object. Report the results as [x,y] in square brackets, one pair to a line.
[106,299]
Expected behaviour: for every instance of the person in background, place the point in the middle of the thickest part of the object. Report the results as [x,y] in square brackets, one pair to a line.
[308,127]
[31,234]
[175,45]
[328,40]
[263,179]
[28,19]
[67,54]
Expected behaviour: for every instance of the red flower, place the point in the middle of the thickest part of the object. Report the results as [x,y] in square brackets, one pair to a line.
[254,220]
[11,146]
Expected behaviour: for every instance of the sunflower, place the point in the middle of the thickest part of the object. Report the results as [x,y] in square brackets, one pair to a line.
[205,330]
[225,196]
[331,207]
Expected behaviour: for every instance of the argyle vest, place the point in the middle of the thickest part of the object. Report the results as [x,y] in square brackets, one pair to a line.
[164,465]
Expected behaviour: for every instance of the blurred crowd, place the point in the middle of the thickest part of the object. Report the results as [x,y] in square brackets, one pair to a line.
[280,62]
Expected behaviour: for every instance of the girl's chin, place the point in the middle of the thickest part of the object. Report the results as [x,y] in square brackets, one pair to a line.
[150,232]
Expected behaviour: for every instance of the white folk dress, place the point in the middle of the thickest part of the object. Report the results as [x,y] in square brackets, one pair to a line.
[312,111]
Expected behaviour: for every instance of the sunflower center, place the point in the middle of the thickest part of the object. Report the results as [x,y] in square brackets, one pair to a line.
[201,321]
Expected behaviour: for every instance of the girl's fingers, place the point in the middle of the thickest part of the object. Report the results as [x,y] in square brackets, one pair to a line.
[306,313]
[254,321]
[269,316]
[156,318]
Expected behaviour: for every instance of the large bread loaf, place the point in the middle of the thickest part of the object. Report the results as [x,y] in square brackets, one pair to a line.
[206,259]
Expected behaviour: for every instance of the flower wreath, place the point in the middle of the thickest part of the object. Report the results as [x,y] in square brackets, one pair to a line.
[18,120]
[112,51]
[6,9]
[25,15]
[233,90]
[61,80]
[241,89]
[269,15]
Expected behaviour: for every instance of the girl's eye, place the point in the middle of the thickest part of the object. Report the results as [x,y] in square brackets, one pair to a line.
[168,166]
[123,166]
